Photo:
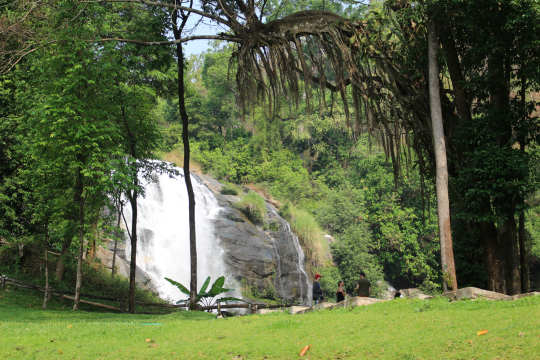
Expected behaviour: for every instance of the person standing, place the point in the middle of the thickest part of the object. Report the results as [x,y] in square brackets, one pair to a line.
[317,290]
[363,286]
[340,293]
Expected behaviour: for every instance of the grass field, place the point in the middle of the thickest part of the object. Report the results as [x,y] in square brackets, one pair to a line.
[399,329]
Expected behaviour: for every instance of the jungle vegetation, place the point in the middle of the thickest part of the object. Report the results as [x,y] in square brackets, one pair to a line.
[323,104]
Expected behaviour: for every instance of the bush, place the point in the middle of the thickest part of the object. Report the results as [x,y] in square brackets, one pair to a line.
[273,226]
[229,190]
[428,287]
[253,206]
[351,253]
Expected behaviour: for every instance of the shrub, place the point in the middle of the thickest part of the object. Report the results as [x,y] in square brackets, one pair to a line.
[253,206]
[351,254]
[273,226]
[428,287]
[229,190]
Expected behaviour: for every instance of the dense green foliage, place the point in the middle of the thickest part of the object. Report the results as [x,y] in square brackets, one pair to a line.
[81,120]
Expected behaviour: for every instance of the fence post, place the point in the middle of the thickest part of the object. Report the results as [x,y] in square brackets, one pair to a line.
[61,298]
[254,310]
[3,277]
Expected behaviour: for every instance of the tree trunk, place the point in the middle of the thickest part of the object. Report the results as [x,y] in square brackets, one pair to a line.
[46,276]
[116,241]
[510,256]
[185,138]
[61,265]
[133,202]
[79,193]
[443,204]
[524,266]
[523,255]
[456,75]
[133,261]
[492,257]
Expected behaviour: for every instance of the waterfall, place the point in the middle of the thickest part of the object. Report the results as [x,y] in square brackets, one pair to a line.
[163,229]
[297,258]
[222,244]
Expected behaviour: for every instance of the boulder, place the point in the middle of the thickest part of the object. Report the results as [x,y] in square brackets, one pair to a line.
[296,309]
[476,293]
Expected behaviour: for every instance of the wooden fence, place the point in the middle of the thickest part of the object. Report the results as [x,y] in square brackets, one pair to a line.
[4,280]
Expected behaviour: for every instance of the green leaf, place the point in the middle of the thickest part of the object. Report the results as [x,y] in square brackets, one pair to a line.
[205,285]
[181,287]
[352,40]
[217,287]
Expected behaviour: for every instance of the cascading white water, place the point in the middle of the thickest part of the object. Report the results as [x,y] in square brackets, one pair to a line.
[163,229]
[298,258]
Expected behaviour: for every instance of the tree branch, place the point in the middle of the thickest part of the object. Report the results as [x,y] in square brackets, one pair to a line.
[183,40]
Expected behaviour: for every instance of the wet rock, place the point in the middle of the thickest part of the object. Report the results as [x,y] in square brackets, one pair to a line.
[271,260]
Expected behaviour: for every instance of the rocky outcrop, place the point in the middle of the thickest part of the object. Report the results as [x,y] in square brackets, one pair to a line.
[271,260]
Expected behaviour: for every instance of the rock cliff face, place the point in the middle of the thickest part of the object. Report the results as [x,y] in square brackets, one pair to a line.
[263,258]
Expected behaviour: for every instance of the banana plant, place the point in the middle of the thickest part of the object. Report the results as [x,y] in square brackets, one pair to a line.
[206,298]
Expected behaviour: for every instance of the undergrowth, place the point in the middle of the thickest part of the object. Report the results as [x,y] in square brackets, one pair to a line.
[253,206]
[230,190]
[96,280]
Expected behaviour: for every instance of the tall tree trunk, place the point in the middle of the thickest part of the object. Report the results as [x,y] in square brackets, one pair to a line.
[523,255]
[61,265]
[116,241]
[79,193]
[443,203]
[187,178]
[46,298]
[492,257]
[510,255]
[133,260]
[133,202]
[524,266]
[456,74]
[177,30]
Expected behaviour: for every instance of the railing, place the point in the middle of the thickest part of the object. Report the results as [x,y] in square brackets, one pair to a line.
[4,280]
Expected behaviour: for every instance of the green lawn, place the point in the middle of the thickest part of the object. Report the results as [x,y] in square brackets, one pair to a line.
[400,329]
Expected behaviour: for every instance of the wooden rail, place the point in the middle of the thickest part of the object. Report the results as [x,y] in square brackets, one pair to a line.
[95,304]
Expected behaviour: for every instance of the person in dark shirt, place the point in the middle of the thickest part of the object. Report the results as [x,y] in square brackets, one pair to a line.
[340,293]
[317,290]
[363,286]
